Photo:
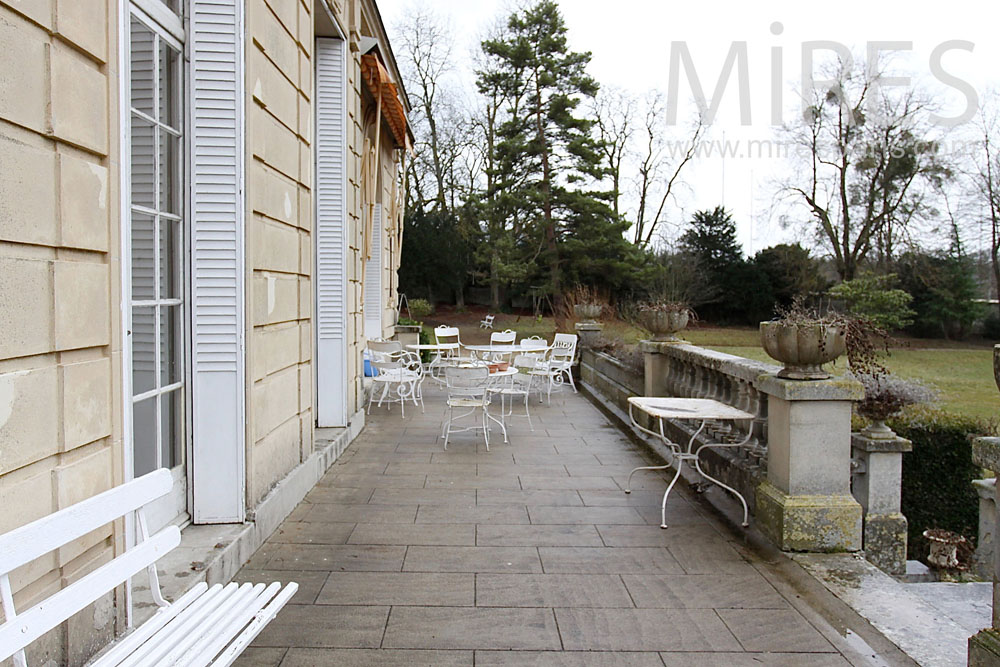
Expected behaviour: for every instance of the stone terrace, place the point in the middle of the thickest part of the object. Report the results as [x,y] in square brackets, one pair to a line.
[529,553]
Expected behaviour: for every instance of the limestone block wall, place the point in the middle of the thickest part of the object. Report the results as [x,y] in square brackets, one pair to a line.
[279,70]
[60,347]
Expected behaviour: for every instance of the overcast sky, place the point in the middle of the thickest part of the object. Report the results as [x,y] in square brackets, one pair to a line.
[631,48]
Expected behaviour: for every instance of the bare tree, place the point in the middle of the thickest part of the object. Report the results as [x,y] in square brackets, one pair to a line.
[870,163]
[614,110]
[660,165]
[986,176]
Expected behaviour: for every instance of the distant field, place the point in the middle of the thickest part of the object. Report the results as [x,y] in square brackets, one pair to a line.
[961,371]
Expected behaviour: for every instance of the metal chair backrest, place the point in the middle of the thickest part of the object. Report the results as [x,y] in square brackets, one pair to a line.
[399,361]
[535,343]
[383,350]
[507,337]
[563,347]
[467,382]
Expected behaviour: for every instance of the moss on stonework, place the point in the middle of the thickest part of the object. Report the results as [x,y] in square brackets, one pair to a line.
[809,523]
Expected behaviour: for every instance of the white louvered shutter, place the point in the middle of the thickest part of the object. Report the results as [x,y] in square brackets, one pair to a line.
[373,280]
[217,262]
[331,236]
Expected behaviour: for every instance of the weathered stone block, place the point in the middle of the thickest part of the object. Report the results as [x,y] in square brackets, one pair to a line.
[79,100]
[809,446]
[273,456]
[885,541]
[82,317]
[273,143]
[273,39]
[275,299]
[23,61]
[83,201]
[29,404]
[984,649]
[985,545]
[276,247]
[27,201]
[86,402]
[273,194]
[275,401]
[809,523]
[39,11]
[25,310]
[272,90]
[986,453]
[85,23]
[278,346]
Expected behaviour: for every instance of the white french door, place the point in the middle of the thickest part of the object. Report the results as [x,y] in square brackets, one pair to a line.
[155,289]
[331,233]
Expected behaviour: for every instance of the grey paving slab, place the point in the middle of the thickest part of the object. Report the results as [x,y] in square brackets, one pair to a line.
[436,469]
[703,591]
[551,590]
[298,532]
[553,497]
[505,469]
[615,535]
[456,454]
[416,534]
[308,625]
[598,560]
[472,559]
[678,514]
[475,628]
[598,470]
[340,494]
[644,630]
[507,514]
[310,657]
[408,481]
[398,588]
[617,497]
[537,536]
[361,467]
[261,657]
[554,459]
[774,630]
[591,515]
[681,659]
[709,556]
[566,659]
[423,496]
[558,482]
[510,481]
[361,513]
[336,557]
[310,583]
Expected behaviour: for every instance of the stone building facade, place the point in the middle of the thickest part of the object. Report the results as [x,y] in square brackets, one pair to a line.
[200,223]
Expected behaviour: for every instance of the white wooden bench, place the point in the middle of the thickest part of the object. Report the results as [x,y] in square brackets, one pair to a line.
[205,626]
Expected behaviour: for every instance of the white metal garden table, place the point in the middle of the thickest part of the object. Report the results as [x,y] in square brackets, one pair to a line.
[438,349]
[702,410]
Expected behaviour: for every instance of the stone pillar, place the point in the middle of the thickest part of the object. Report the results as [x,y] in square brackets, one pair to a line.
[589,333]
[806,502]
[984,646]
[986,488]
[877,483]
[657,366]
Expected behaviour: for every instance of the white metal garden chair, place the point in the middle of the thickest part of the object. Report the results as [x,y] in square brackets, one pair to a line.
[508,337]
[446,334]
[469,390]
[487,322]
[518,387]
[398,372]
[558,369]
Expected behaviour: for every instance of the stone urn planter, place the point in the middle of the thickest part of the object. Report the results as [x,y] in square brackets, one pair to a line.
[803,348]
[664,324]
[587,312]
[944,548]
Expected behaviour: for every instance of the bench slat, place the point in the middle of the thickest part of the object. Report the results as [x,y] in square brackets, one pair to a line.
[129,643]
[25,544]
[215,624]
[261,619]
[150,652]
[33,623]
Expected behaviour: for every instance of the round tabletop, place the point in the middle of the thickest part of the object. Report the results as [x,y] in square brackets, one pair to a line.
[505,347]
[433,346]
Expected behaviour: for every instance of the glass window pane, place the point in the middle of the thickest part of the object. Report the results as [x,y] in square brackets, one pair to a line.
[170,430]
[170,363]
[169,259]
[143,163]
[169,172]
[144,436]
[143,350]
[141,81]
[169,85]
[143,256]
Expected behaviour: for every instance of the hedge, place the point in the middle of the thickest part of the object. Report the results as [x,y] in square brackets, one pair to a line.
[937,489]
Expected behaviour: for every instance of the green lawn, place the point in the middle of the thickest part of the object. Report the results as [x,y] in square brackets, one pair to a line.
[963,375]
